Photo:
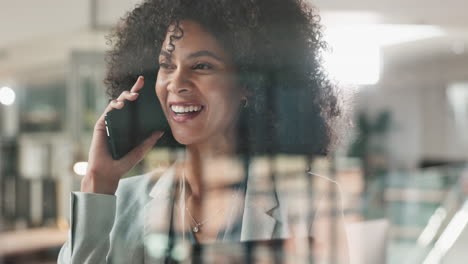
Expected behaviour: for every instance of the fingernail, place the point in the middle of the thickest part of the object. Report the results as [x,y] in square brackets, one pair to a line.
[133,94]
[141,77]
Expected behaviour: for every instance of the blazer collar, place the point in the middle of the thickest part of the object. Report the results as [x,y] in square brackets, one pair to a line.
[258,222]
[157,208]
[156,212]
[163,185]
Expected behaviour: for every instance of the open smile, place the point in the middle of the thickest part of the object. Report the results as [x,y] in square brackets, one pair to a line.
[181,112]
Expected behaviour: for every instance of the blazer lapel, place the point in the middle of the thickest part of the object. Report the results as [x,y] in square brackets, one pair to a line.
[258,222]
[157,218]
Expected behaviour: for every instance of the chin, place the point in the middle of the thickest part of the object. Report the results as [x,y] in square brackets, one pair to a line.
[184,139]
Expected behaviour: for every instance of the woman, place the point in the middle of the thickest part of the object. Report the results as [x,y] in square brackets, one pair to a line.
[216,62]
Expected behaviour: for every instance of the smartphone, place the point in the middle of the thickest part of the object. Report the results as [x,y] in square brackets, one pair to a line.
[136,121]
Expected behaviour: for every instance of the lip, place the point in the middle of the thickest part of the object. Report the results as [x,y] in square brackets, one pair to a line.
[183,104]
[185,117]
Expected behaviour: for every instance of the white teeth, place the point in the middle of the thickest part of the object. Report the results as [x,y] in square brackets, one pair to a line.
[181,109]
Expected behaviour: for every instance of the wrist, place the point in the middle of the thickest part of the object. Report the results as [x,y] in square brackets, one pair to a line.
[94,184]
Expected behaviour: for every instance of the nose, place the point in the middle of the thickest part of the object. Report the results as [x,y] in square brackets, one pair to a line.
[180,83]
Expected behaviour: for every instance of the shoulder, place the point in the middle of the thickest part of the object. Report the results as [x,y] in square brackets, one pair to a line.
[309,195]
[324,183]
[327,190]
[313,185]
[322,178]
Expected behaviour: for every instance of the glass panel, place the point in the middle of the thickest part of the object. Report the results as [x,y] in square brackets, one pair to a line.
[330,133]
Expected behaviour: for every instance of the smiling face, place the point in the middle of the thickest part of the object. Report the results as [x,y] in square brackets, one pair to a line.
[196,86]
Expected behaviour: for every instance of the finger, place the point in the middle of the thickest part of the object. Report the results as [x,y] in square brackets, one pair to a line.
[126,95]
[118,104]
[115,104]
[138,84]
[137,154]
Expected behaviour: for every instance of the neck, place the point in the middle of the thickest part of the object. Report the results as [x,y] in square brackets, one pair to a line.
[212,166]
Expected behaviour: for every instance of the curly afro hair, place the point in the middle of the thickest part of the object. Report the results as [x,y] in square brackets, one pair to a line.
[276,49]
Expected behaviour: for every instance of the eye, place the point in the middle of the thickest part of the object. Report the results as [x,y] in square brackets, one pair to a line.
[202,66]
[165,65]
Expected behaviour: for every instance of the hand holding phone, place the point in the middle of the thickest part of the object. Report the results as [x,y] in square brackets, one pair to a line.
[130,125]
[103,173]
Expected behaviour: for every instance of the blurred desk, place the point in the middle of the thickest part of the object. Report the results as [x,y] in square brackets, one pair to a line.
[30,240]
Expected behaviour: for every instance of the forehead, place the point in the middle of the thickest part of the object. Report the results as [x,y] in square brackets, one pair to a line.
[195,38]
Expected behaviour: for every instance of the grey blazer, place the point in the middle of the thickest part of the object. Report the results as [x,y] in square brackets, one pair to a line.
[117,229]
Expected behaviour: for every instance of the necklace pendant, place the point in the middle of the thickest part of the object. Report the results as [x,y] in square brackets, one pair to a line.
[196,229]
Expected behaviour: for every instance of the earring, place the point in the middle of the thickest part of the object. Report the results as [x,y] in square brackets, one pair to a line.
[245,102]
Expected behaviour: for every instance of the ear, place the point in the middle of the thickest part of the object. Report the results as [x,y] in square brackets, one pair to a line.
[246,92]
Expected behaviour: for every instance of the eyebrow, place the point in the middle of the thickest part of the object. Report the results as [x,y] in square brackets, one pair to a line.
[197,54]
[205,53]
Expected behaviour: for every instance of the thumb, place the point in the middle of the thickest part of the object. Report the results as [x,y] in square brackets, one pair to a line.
[137,154]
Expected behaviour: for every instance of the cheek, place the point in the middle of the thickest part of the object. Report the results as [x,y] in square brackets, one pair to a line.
[227,104]
[233,97]
[160,91]
[228,91]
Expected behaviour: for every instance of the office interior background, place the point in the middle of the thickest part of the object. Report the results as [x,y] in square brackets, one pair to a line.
[401,65]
